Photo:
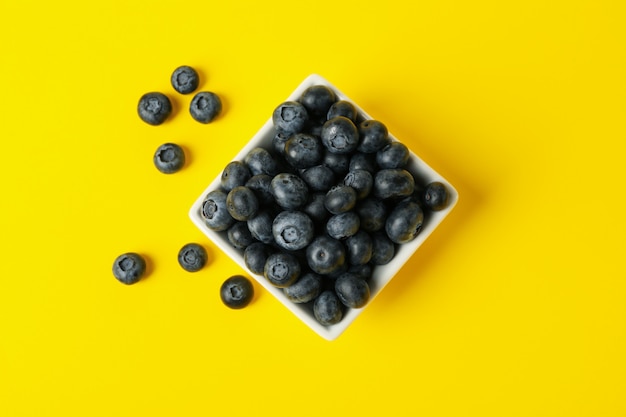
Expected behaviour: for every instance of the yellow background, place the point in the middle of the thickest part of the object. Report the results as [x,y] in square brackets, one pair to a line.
[515,306]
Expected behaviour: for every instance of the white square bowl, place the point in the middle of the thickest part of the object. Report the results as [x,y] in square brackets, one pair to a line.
[381,275]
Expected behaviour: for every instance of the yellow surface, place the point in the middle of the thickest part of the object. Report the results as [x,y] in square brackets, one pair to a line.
[516,306]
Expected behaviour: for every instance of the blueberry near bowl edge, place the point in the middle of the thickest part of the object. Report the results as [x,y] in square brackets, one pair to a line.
[381,274]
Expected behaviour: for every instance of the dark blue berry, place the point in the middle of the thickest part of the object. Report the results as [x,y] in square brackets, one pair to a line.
[192,257]
[383,249]
[205,106]
[235,174]
[303,150]
[241,203]
[282,269]
[352,291]
[390,183]
[289,191]
[340,199]
[255,257]
[317,100]
[374,136]
[292,230]
[343,225]
[128,268]
[404,222]
[318,178]
[215,211]
[260,226]
[185,79]
[260,185]
[395,155]
[239,235]
[340,135]
[169,158]
[154,108]
[361,181]
[236,292]
[305,289]
[373,214]
[260,161]
[327,308]
[325,255]
[342,108]
[290,117]
[359,248]
[435,196]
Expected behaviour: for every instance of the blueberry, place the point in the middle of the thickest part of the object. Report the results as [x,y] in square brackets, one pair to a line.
[260,161]
[192,257]
[305,289]
[239,235]
[260,185]
[339,163]
[340,135]
[364,161]
[317,100]
[260,226]
[235,174]
[241,203]
[325,255]
[303,150]
[318,178]
[169,158]
[327,308]
[255,256]
[215,211]
[316,210]
[383,249]
[278,142]
[361,181]
[374,136]
[395,155]
[373,214]
[128,268]
[359,248]
[390,183]
[340,199]
[290,117]
[289,191]
[205,106]
[343,225]
[185,79]
[342,108]
[435,196]
[282,269]
[352,291]
[404,222]
[154,108]
[292,230]
[236,292]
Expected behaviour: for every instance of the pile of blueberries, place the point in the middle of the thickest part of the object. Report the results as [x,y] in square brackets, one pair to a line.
[324,205]
[154,108]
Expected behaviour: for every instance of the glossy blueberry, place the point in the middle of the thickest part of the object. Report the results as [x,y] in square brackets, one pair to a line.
[169,158]
[339,163]
[303,150]
[241,203]
[340,199]
[260,185]
[364,161]
[435,196]
[342,108]
[236,292]
[255,256]
[260,226]
[390,183]
[192,257]
[235,174]
[318,178]
[205,107]
[239,235]
[282,269]
[404,222]
[290,117]
[359,248]
[393,156]
[383,249]
[316,210]
[327,308]
[289,191]
[373,214]
[317,100]
[343,225]
[293,230]
[215,211]
[305,289]
[374,136]
[260,161]
[154,108]
[361,181]
[325,255]
[185,79]
[128,268]
[352,291]
[340,135]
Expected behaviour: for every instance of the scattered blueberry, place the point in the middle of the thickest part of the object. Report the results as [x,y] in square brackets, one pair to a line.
[192,257]
[128,268]
[154,108]
[236,292]
[205,106]
[169,158]
[359,248]
[185,79]
[260,226]
[383,249]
